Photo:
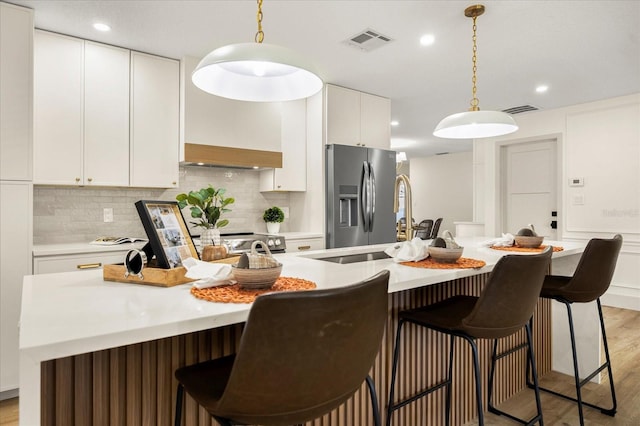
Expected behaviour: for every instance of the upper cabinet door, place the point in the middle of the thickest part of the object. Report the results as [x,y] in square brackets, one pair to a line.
[155,117]
[343,115]
[16,92]
[58,109]
[106,115]
[375,121]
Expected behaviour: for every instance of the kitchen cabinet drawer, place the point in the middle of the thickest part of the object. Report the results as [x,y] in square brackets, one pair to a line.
[306,244]
[76,262]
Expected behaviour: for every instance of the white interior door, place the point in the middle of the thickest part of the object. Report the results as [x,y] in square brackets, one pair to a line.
[529,187]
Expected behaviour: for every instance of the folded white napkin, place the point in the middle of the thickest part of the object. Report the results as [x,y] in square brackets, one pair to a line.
[409,251]
[208,274]
[506,240]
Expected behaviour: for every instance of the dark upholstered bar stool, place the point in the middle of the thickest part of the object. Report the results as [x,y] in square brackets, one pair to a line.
[590,280]
[504,307]
[301,355]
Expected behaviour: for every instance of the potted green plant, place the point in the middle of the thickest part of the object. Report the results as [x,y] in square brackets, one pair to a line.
[207,205]
[273,216]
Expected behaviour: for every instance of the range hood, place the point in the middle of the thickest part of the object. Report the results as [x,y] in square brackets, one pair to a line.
[222,156]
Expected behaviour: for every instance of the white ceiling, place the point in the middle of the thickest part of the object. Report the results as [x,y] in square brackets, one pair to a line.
[583,50]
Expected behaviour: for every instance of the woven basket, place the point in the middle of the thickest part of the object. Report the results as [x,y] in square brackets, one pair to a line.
[528,241]
[263,270]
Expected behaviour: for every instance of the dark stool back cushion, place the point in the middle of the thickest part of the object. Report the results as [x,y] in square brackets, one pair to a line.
[510,296]
[304,353]
[593,274]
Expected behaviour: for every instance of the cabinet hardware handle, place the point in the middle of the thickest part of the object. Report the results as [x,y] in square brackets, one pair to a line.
[89,265]
[173,183]
[77,179]
[90,179]
[304,248]
[279,186]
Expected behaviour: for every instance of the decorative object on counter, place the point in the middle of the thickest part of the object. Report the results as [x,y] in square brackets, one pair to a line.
[527,249]
[461,263]
[445,249]
[474,124]
[169,238]
[134,261]
[408,251]
[112,241]
[257,72]
[528,238]
[273,216]
[207,205]
[208,274]
[237,294]
[255,270]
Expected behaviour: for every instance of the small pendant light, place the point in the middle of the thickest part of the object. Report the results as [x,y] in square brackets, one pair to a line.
[474,124]
[257,72]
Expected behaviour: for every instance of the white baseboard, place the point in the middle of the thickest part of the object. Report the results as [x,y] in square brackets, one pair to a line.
[622,297]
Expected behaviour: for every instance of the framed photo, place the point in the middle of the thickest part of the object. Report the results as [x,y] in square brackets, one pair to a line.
[167,231]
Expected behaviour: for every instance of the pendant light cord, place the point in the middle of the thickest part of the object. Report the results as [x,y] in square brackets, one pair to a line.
[260,34]
[474,101]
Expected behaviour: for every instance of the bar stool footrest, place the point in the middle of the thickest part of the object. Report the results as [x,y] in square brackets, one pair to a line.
[608,411]
[533,421]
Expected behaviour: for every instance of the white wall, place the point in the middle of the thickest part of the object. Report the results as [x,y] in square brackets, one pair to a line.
[599,142]
[442,186]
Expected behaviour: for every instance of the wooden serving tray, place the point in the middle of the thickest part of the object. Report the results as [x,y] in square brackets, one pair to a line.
[154,276]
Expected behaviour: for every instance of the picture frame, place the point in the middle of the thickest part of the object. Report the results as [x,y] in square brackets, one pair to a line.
[167,231]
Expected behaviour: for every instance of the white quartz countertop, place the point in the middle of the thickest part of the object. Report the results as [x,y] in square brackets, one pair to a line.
[76,312]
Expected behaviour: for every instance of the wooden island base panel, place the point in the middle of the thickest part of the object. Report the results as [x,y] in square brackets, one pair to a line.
[134,384]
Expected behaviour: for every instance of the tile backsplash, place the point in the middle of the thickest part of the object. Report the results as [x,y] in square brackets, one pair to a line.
[70,214]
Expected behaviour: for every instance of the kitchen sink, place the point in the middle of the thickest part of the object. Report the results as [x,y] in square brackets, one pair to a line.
[354,258]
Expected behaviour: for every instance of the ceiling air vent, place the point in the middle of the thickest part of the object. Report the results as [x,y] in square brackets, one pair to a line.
[520,109]
[368,40]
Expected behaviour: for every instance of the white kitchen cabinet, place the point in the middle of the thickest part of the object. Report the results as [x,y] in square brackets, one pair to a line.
[155,118]
[304,244]
[76,262]
[213,120]
[58,109]
[293,174]
[106,115]
[81,112]
[16,92]
[356,118]
[16,225]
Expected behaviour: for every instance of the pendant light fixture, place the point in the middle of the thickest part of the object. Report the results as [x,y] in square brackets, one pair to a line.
[474,124]
[257,72]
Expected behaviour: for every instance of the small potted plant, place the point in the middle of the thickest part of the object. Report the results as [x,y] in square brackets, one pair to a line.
[273,216]
[207,205]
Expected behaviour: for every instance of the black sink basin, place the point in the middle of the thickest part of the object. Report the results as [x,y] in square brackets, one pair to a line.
[354,258]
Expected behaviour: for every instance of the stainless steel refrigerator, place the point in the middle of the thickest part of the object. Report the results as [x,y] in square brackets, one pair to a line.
[359,186]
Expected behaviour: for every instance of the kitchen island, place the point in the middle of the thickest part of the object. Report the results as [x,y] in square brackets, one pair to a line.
[101,352]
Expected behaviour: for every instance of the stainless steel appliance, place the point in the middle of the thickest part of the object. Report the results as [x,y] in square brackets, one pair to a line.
[359,186]
[241,242]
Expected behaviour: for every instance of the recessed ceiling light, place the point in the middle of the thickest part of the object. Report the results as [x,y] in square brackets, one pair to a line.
[101,27]
[395,123]
[542,88]
[427,39]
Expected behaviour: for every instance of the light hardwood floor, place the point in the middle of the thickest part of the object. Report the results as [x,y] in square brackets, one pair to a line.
[623,332]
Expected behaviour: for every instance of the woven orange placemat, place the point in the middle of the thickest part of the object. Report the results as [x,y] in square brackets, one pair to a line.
[462,263]
[527,249]
[235,294]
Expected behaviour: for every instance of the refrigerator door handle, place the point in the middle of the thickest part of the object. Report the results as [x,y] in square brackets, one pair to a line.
[364,196]
[372,197]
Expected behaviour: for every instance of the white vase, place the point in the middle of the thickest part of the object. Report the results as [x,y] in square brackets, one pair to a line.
[210,237]
[273,227]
